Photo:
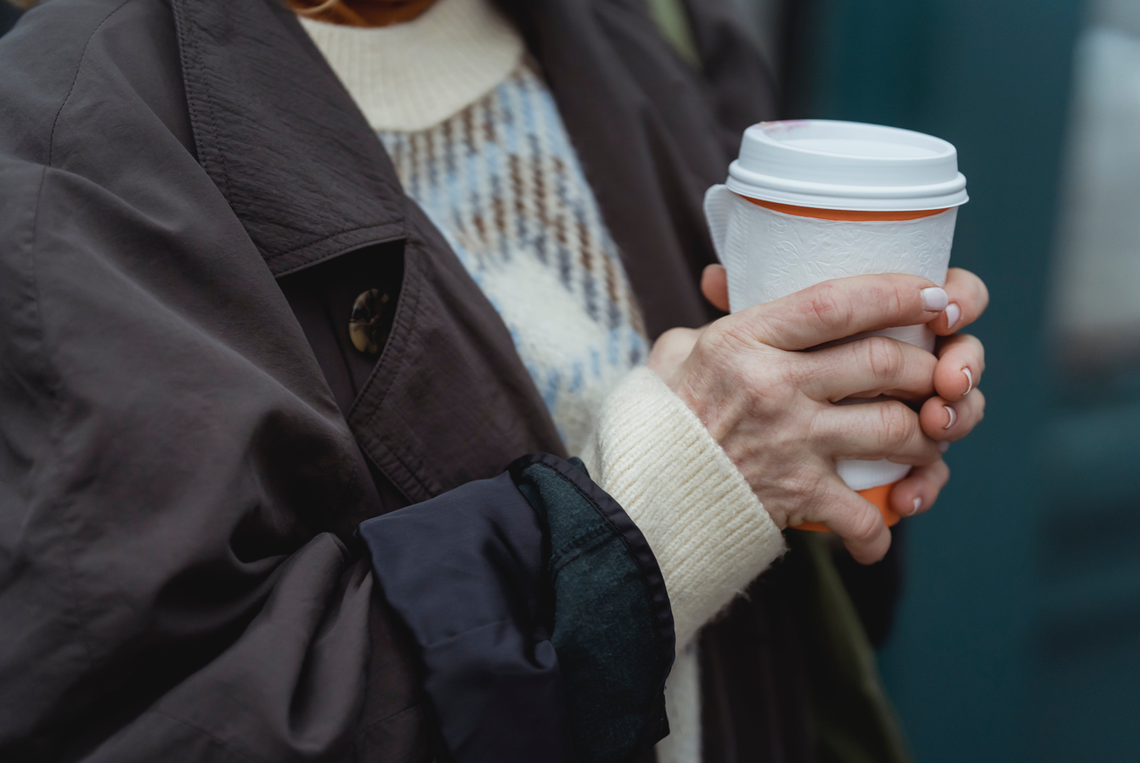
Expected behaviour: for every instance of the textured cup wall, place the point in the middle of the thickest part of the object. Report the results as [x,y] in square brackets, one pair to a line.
[769,255]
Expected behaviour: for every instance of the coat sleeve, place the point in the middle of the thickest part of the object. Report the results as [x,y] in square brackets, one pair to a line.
[540,614]
[175,579]
[178,491]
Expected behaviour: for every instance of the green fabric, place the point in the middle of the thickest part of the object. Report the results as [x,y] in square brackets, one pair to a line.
[673,21]
[604,632]
[855,721]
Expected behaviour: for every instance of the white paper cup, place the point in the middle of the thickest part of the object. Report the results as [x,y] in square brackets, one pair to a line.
[809,201]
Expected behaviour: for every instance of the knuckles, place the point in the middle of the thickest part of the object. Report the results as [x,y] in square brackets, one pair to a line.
[826,307]
[884,357]
[898,424]
[833,309]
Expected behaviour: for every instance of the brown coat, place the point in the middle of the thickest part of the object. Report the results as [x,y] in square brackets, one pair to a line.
[190,202]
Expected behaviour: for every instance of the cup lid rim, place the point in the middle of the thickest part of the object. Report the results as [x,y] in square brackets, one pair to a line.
[909,171]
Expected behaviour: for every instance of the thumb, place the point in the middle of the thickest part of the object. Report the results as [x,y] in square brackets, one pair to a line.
[714,285]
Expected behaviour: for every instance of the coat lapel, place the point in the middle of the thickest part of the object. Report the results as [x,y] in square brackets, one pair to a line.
[279,135]
[449,400]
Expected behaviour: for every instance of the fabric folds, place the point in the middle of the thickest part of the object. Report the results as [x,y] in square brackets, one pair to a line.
[540,614]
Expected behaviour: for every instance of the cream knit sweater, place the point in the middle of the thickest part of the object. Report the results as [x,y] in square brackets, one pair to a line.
[645,447]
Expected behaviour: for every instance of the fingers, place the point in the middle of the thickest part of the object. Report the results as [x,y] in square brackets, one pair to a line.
[869,550]
[857,521]
[918,491]
[841,308]
[868,368]
[714,285]
[950,421]
[961,361]
[866,431]
[968,299]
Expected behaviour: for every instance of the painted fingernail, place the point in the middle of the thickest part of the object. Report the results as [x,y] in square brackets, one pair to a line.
[953,313]
[951,417]
[944,446]
[934,299]
[969,380]
[917,505]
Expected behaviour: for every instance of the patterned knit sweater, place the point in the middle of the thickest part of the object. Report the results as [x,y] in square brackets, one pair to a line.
[478,143]
[502,183]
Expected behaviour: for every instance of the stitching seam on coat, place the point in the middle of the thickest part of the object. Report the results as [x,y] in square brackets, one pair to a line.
[56,434]
[208,735]
[74,79]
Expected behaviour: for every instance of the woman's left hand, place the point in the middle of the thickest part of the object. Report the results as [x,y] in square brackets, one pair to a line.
[961,362]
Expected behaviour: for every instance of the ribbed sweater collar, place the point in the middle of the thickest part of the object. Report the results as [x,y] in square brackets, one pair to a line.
[412,76]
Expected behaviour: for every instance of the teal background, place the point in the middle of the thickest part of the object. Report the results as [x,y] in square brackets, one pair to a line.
[1018,636]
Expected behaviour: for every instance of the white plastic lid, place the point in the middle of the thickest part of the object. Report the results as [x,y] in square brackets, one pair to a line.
[846,165]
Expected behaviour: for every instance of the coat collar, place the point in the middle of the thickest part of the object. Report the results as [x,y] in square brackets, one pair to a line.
[279,135]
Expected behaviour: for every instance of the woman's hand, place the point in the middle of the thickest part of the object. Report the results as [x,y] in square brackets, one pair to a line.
[770,404]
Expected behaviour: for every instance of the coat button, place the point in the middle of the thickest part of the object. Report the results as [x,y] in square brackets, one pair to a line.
[368,324]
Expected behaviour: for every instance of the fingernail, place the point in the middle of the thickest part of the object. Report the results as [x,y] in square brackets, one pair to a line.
[934,299]
[951,417]
[969,380]
[917,505]
[953,313]
[944,446]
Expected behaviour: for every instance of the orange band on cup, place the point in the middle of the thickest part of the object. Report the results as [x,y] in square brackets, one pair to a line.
[844,214]
[880,496]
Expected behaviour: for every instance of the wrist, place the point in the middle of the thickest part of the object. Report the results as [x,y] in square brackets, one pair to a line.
[710,533]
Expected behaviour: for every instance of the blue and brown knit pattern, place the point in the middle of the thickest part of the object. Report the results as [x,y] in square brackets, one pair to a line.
[502,183]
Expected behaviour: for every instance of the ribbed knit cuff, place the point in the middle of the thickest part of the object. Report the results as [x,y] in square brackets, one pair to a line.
[709,532]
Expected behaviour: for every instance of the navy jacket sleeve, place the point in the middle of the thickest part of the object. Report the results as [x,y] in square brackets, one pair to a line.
[540,614]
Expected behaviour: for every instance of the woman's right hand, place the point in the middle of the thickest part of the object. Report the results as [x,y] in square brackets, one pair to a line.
[770,405]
